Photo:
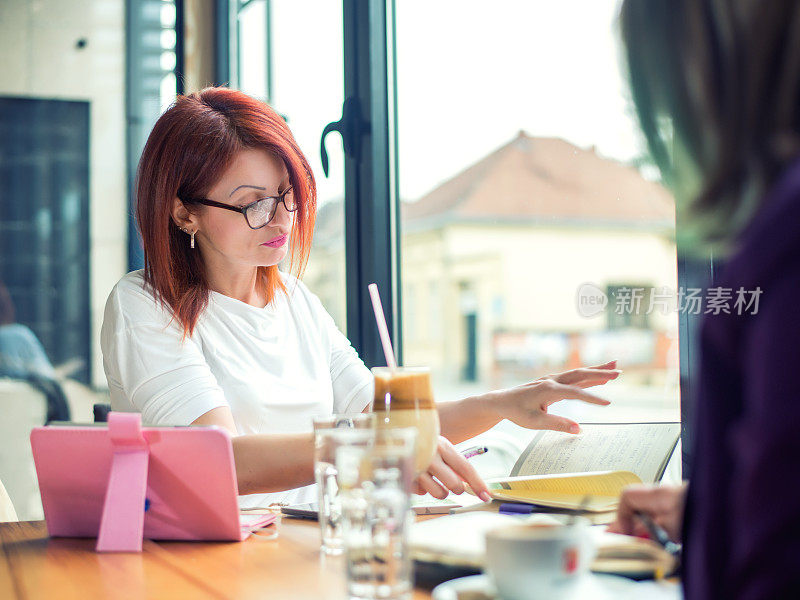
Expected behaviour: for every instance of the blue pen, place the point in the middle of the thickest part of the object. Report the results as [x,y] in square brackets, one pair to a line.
[516,508]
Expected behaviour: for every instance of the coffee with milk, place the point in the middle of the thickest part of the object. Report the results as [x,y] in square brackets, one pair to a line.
[404,398]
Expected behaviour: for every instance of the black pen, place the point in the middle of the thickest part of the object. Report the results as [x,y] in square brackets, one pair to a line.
[659,534]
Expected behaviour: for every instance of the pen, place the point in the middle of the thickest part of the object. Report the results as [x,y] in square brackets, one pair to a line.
[516,508]
[658,534]
[474,451]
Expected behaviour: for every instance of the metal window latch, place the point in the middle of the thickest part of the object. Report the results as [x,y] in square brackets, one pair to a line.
[351,127]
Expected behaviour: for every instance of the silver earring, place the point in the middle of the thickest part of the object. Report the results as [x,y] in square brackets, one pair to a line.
[191,241]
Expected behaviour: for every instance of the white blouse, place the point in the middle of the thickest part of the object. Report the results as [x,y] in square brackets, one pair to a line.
[275,367]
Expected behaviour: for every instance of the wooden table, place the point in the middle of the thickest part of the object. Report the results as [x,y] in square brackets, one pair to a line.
[290,567]
[32,565]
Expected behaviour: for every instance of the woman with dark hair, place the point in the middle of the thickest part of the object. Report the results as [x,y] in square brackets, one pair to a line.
[717,89]
[212,333]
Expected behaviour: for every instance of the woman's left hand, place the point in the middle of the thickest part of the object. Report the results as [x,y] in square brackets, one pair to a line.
[451,471]
[527,404]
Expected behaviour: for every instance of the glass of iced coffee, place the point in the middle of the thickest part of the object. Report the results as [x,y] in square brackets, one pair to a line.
[404,398]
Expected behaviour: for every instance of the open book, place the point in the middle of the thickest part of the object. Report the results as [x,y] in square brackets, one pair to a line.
[588,471]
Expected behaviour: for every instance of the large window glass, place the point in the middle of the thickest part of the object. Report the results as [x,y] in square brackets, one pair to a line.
[63,205]
[292,58]
[536,236]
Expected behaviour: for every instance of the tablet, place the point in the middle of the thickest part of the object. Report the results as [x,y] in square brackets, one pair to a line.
[309,511]
[420,506]
[191,491]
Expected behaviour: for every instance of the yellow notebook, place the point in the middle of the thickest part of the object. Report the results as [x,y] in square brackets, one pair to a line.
[567,491]
[559,470]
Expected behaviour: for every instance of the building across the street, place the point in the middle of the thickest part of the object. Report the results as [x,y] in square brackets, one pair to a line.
[494,259]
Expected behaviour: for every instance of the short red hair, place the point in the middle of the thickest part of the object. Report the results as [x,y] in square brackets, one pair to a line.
[192,144]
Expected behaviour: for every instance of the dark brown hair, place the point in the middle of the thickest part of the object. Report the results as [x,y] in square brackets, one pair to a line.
[716,84]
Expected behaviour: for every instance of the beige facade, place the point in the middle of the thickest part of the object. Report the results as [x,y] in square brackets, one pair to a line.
[517,278]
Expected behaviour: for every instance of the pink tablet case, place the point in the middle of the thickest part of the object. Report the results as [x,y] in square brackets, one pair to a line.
[125,482]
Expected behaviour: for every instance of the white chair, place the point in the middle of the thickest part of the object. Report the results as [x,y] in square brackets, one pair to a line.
[22,407]
[7,512]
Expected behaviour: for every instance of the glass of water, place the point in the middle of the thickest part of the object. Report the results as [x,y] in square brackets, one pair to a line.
[331,432]
[375,484]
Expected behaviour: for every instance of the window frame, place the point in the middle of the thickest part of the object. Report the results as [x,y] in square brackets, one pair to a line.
[371,206]
[139,98]
[371,188]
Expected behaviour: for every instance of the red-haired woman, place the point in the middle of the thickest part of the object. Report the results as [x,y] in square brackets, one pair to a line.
[212,333]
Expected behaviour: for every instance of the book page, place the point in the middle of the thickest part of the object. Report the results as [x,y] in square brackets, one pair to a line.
[566,490]
[564,502]
[642,448]
[456,539]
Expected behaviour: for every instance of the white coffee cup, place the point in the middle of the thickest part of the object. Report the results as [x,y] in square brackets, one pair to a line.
[530,561]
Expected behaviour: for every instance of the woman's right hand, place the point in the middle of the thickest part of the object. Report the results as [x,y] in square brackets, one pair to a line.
[662,503]
[448,472]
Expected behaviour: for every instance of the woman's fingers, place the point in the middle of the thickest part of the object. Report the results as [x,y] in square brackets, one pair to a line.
[634,498]
[556,423]
[639,530]
[429,486]
[612,364]
[571,392]
[448,472]
[587,377]
[447,476]
[463,469]
[662,503]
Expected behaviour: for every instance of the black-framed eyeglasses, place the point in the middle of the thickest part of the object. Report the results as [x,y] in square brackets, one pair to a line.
[259,212]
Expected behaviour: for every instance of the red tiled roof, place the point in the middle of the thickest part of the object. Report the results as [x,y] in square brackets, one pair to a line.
[545,179]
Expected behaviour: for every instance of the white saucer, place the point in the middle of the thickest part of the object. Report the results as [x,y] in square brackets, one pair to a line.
[594,586]
[477,584]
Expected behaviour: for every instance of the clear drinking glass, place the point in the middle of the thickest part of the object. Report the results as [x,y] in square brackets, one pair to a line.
[375,486]
[404,398]
[331,432]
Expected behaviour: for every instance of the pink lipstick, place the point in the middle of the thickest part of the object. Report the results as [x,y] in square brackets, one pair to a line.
[276,242]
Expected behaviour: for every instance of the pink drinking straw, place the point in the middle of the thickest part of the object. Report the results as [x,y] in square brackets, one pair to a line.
[386,341]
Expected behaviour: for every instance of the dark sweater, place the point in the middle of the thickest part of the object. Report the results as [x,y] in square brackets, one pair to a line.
[742,519]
